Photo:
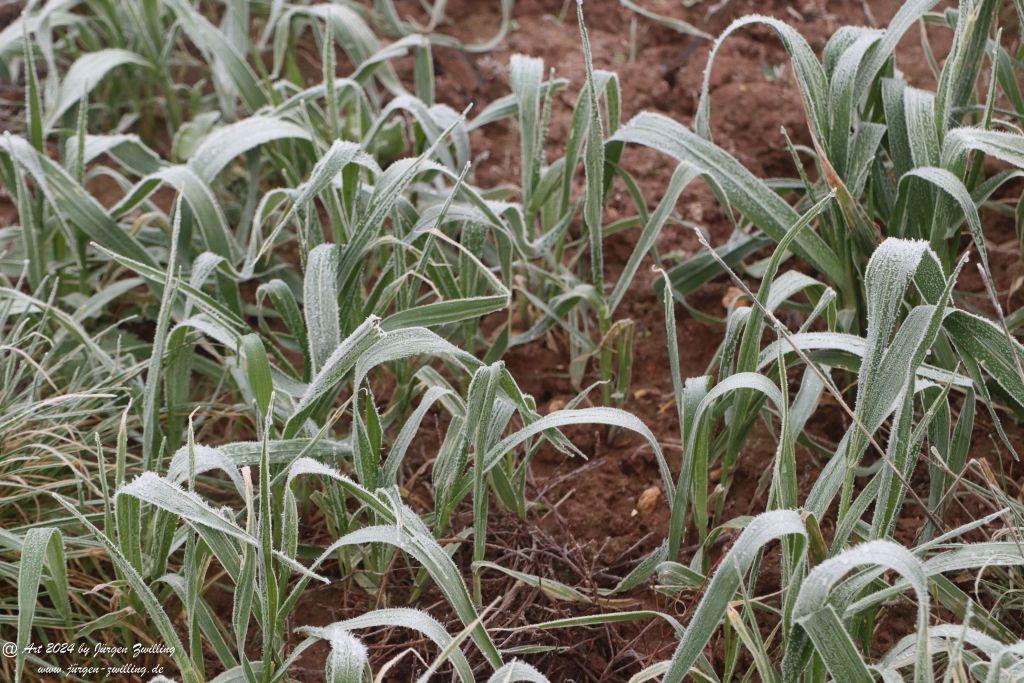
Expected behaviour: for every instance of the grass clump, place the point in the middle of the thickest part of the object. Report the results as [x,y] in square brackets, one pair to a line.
[242,288]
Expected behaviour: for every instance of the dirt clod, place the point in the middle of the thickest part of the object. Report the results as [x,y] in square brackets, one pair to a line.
[648,500]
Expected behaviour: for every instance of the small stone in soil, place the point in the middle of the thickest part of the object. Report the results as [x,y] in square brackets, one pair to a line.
[731,295]
[648,500]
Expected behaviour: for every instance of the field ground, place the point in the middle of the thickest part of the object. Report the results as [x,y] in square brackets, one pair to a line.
[591,521]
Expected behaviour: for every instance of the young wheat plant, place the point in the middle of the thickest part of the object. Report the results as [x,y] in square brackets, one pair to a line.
[255,317]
